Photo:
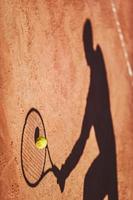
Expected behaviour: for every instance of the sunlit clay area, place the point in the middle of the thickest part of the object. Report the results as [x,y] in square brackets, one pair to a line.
[66,100]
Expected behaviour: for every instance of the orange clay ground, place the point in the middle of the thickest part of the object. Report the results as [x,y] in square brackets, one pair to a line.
[68,59]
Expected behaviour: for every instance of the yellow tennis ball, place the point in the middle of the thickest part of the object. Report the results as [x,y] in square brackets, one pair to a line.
[41,142]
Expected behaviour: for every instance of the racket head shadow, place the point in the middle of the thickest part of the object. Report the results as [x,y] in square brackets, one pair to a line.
[32,159]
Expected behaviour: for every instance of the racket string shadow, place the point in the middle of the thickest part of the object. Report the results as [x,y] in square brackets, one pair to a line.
[33,172]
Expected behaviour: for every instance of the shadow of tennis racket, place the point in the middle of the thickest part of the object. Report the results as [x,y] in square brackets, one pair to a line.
[33,160]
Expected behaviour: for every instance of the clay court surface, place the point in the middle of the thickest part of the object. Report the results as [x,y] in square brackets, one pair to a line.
[43,64]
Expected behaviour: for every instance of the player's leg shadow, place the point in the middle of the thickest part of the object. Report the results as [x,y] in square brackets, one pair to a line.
[101,178]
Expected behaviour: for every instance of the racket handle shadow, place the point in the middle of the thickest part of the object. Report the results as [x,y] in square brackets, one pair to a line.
[58,173]
[60,178]
[47,171]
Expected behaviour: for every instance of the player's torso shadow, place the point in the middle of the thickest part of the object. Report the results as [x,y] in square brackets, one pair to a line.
[101,177]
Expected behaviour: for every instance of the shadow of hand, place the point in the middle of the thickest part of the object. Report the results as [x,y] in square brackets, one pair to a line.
[60,177]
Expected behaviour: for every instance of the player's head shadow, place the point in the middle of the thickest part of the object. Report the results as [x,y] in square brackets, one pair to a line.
[88,41]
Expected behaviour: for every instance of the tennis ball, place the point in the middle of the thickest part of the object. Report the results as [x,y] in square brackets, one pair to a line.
[41,142]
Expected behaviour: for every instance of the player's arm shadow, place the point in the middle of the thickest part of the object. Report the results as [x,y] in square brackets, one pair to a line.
[101,177]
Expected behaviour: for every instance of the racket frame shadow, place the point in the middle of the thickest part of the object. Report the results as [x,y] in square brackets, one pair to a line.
[43,173]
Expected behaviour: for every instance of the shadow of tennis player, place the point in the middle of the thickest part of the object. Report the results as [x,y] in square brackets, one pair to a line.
[101,177]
